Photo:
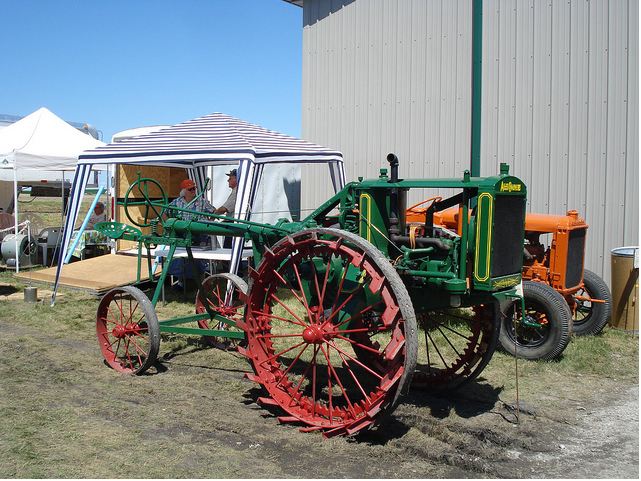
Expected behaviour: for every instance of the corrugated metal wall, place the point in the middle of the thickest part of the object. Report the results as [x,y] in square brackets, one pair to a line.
[560,99]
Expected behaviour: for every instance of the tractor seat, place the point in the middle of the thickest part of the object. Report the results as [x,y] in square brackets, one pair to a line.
[118,230]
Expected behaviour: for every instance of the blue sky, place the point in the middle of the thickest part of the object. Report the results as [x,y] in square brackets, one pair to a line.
[124,64]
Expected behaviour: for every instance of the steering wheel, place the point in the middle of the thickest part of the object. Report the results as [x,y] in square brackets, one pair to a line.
[414,209]
[156,208]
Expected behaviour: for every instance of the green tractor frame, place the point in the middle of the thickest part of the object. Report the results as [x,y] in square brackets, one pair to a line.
[346,308]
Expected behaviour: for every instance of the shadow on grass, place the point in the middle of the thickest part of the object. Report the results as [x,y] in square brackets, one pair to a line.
[472,399]
[7,290]
[193,345]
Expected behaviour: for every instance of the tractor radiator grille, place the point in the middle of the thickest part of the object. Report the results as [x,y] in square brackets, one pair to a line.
[576,250]
[509,218]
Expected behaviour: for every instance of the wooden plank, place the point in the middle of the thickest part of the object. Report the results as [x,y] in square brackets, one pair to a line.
[168,177]
[95,274]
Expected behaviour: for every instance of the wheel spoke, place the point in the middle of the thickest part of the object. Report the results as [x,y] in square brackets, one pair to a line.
[362,329]
[351,373]
[119,306]
[360,314]
[292,364]
[278,318]
[321,301]
[356,361]
[304,376]
[131,364]
[449,342]
[275,297]
[132,340]
[315,275]
[286,284]
[358,344]
[340,287]
[338,381]
[349,298]
[272,336]
[275,356]
[313,363]
[453,331]
[303,299]
[111,344]
[330,393]
[437,350]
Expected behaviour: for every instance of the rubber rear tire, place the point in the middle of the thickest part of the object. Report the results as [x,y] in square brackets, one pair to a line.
[545,304]
[591,317]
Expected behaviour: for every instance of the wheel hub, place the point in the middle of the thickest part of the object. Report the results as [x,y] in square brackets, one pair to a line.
[314,335]
[121,331]
[226,311]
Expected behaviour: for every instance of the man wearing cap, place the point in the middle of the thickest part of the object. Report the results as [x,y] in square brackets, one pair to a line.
[186,201]
[229,205]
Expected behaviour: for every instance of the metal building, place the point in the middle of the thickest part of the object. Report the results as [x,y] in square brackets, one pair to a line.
[560,98]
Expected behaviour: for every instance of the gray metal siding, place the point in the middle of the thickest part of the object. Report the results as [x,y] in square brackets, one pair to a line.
[559,103]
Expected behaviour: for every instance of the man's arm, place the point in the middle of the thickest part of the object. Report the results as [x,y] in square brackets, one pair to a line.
[229,204]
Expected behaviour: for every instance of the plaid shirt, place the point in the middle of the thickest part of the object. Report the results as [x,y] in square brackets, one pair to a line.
[200,205]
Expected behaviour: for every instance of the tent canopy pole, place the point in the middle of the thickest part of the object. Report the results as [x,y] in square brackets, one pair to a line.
[15,214]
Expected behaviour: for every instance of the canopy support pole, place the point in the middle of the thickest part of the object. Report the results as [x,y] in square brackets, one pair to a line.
[15,215]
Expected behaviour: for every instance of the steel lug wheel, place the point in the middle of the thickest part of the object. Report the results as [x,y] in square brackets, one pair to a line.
[455,345]
[317,299]
[222,294]
[127,330]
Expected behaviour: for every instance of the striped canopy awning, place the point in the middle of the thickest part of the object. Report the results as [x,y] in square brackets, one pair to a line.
[215,139]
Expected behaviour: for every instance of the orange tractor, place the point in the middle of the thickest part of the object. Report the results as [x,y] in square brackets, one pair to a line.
[561,297]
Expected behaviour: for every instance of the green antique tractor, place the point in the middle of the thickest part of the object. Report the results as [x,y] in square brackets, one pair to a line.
[346,308]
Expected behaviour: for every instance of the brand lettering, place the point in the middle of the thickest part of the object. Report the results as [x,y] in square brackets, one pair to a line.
[510,187]
[506,282]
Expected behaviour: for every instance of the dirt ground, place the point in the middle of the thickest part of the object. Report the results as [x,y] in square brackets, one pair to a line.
[64,414]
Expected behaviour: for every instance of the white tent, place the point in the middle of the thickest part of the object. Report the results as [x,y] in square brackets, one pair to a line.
[215,139]
[43,141]
[39,142]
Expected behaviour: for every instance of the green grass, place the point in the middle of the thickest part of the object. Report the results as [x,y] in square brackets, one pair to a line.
[46,211]
[64,414]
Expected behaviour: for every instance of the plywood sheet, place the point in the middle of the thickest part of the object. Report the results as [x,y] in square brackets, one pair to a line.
[97,274]
[168,177]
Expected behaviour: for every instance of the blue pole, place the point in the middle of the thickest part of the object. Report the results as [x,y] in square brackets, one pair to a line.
[101,189]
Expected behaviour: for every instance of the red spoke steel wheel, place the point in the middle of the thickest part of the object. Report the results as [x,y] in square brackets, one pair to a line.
[316,299]
[455,345]
[127,330]
[213,294]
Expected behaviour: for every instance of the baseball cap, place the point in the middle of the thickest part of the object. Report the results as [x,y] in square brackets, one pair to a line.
[233,172]
[187,183]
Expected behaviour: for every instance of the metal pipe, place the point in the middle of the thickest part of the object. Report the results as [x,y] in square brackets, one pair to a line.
[421,241]
[101,189]
[429,274]
[393,162]
[477,68]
